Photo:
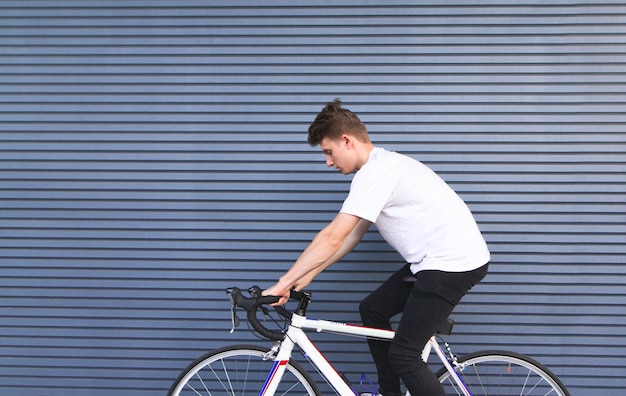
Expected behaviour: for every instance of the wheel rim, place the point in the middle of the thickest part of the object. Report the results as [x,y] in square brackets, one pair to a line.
[238,373]
[502,375]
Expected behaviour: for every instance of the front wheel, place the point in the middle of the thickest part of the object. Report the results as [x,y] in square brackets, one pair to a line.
[493,373]
[239,370]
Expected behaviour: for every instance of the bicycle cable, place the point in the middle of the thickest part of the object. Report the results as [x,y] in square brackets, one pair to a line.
[268,315]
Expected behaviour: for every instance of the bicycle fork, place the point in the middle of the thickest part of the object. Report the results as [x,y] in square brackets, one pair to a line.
[277,371]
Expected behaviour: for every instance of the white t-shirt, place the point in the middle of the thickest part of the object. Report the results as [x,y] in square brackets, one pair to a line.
[417,213]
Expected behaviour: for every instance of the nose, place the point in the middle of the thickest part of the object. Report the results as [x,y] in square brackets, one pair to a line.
[329,161]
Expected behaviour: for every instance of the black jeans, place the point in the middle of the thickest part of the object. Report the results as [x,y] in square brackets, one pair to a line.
[425,304]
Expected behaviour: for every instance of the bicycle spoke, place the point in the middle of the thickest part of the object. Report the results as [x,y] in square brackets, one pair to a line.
[193,390]
[216,376]
[505,374]
[240,371]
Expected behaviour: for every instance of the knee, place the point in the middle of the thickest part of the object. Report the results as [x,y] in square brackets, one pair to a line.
[370,314]
[365,310]
[404,360]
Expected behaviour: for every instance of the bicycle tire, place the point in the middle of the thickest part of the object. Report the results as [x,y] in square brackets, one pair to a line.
[239,370]
[494,373]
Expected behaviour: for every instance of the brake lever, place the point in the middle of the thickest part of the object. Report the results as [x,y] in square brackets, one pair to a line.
[256,291]
[234,319]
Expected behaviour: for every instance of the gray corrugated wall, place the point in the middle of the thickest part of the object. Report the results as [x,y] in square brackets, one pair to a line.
[153,154]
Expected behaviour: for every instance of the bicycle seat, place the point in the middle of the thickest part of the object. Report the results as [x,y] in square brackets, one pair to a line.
[446,327]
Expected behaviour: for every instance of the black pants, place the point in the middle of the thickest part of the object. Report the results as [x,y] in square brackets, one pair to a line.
[425,304]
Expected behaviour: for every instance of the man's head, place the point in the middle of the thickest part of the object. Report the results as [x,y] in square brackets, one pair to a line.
[333,122]
[342,137]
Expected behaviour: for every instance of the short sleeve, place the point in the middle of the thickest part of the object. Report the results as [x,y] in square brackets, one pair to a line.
[369,192]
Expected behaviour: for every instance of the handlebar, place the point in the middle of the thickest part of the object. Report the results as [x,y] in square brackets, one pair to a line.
[258,301]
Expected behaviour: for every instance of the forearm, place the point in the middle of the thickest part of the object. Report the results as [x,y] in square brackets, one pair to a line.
[317,256]
[328,246]
[351,241]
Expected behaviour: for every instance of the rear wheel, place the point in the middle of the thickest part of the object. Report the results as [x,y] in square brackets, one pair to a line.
[495,373]
[239,370]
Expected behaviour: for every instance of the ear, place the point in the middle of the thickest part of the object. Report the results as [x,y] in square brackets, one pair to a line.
[347,140]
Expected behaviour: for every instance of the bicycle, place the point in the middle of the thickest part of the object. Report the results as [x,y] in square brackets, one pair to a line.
[248,369]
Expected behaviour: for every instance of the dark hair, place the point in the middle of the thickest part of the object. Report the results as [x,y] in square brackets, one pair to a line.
[333,121]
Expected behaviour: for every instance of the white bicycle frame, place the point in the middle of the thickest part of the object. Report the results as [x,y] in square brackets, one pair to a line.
[297,336]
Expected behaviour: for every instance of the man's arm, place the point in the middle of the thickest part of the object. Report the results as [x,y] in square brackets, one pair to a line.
[349,243]
[331,244]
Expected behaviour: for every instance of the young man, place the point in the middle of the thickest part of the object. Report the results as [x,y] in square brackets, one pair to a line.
[422,218]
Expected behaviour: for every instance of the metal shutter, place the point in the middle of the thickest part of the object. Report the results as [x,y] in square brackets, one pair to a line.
[154,153]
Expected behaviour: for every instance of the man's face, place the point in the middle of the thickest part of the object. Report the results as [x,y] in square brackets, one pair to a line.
[339,154]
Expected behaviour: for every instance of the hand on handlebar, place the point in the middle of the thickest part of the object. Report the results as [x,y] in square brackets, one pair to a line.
[278,291]
[256,301]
